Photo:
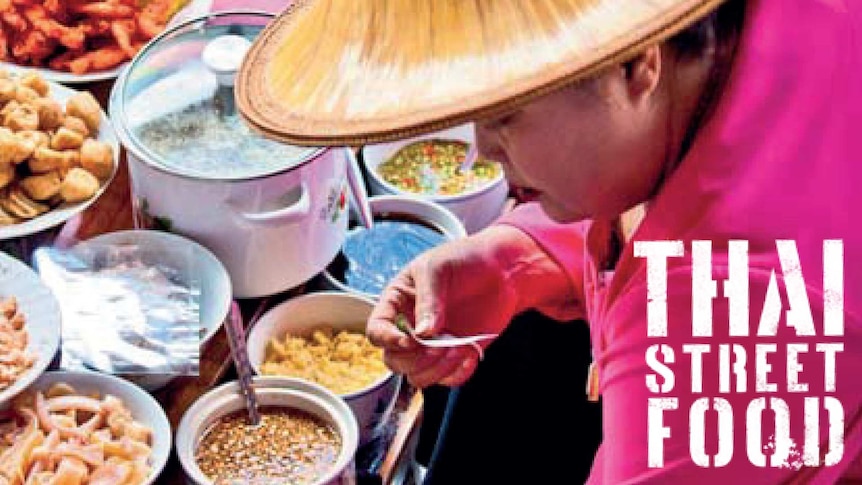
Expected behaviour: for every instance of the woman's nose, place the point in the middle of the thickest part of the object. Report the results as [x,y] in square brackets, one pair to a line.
[488,143]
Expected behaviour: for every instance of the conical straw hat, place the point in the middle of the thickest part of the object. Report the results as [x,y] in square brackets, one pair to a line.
[350,72]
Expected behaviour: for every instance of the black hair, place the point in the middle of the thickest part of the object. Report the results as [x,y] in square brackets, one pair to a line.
[717,34]
[720,28]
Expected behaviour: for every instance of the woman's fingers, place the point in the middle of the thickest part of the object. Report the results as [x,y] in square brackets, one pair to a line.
[462,373]
[412,361]
[383,333]
[425,366]
[381,329]
[444,366]
[431,295]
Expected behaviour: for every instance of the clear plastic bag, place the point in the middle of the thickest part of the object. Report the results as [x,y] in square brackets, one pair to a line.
[126,310]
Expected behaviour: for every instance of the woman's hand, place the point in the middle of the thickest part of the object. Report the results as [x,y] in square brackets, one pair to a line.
[466,287]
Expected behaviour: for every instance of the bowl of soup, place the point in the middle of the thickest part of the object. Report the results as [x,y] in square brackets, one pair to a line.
[404,228]
[306,436]
[320,338]
[428,167]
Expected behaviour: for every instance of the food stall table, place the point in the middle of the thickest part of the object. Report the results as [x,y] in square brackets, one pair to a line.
[383,461]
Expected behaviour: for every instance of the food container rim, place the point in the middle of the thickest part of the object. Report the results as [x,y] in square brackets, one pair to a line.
[450,236]
[366,298]
[131,142]
[209,406]
[476,192]
[140,398]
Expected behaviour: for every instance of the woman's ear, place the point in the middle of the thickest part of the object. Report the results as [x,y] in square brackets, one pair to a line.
[642,74]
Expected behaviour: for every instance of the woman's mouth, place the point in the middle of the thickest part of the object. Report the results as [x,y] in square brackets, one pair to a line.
[526,194]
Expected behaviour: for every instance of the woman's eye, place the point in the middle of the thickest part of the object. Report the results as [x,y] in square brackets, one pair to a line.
[500,122]
[507,120]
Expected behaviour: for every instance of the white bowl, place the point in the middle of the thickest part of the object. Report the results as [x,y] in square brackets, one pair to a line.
[143,407]
[477,208]
[206,268]
[424,210]
[293,393]
[341,311]
[41,313]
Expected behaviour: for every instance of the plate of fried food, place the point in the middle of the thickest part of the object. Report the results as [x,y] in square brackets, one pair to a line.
[81,41]
[29,327]
[83,428]
[58,153]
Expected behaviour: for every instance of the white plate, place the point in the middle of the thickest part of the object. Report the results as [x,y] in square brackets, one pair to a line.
[144,408]
[65,77]
[64,212]
[195,8]
[42,313]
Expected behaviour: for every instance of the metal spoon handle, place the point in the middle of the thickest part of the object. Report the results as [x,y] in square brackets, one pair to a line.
[470,158]
[357,190]
[236,337]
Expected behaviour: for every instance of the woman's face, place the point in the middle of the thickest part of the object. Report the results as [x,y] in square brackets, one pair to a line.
[587,151]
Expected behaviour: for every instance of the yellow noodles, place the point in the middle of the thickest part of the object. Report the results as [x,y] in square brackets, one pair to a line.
[343,362]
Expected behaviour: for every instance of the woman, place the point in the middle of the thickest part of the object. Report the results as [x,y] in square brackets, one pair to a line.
[749,136]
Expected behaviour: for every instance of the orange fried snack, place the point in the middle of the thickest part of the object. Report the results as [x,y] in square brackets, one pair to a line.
[80,36]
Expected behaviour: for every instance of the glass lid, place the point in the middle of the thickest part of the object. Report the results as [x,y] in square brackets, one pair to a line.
[178,103]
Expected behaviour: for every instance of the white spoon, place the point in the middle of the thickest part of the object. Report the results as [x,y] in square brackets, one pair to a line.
[447,340]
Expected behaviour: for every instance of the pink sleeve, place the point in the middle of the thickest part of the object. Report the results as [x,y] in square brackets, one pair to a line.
[625,395]
[563,243]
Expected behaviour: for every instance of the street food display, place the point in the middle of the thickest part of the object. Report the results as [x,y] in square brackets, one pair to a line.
[50,154]
[343,362]
[288,446]
[15,359]
[64,436]
[59,152]
[80,36]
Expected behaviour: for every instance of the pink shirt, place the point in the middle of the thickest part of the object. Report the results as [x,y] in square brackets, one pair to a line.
[780,159]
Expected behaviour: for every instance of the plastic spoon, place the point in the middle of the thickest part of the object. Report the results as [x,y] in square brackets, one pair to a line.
[445,340]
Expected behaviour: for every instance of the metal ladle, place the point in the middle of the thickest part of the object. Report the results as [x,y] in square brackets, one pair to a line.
[357,190]
[236,338]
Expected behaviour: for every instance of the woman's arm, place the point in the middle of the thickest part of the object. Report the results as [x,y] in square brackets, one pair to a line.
[562,248]
[477,285]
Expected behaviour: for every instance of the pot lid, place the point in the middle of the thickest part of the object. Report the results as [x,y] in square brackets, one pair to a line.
[177,103]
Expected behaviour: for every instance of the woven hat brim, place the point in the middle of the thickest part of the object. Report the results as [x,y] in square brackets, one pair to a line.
[301,123]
